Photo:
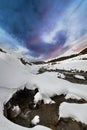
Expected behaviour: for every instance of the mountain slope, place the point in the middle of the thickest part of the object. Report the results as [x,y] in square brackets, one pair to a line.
[13,71]
[84,51]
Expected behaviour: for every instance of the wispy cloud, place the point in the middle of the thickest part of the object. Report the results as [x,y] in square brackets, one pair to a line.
[45,28]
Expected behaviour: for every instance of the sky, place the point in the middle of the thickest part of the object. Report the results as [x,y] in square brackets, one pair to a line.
[42,29]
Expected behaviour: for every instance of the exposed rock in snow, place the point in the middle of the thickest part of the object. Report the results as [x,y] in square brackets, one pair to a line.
[60,75]
[14,75]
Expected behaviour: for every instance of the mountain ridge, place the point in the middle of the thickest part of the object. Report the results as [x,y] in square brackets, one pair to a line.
[84,51]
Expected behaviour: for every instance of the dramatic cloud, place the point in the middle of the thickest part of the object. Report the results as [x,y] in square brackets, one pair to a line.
[43,28]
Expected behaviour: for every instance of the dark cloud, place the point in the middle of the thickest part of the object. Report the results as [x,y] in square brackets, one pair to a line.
[21,17]
[28,20]
[40,48]
[24,18]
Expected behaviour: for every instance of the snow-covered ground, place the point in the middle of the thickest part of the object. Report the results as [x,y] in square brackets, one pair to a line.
[75,111]
[76,63]
[14,75]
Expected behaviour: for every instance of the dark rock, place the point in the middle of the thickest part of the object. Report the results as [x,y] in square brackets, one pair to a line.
[24,62]
[2,50]
[48,113]
[32,105]
[70,125]
[36,90]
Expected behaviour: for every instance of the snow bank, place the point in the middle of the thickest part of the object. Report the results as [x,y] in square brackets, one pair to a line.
[49,85]
[72,96]
[13,72]
[74,111]
[70,64]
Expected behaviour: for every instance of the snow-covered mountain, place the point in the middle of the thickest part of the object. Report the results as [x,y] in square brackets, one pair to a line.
[67,76]
[68,55]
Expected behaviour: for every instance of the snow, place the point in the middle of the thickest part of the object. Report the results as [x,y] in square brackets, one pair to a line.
[37,97]
[35,120]
[72,96]
[74,111]
[49,85]
[80,57]
[15,75]
[13,72]
[76,63]
[17,108]
[60,75]
[79,77]
[71,65]
[48,101]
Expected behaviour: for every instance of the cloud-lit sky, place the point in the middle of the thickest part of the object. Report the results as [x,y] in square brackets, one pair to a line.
[42,28]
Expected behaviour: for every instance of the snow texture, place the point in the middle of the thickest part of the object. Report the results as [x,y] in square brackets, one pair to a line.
[76,63]
[35,120]
[15,75]
[60,75]
[37,97]
[79,77]
[74,111]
